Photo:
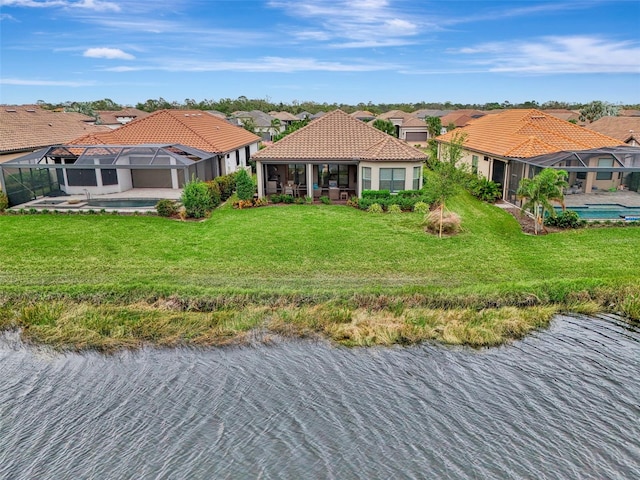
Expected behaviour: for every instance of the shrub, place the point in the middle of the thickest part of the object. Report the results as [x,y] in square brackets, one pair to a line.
[242,203]
[4,202]
[196,199]
[484,189]
[395,208]
[450,223]
[287,198]
[166,208]
[308,200]
[260,202]
[566,219]
[325,200]
[376,194]
[226,184]
[409,193]
[244,185]
[276,198]
[353,202]
[421,207]
[299,201]
[214,193]
[375,208]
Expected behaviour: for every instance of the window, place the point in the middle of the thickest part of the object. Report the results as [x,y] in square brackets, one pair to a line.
[392,179]
[474,164]
[334,174]
[296,173]
[416,178]
[237,158]
[605,162]
[366,178]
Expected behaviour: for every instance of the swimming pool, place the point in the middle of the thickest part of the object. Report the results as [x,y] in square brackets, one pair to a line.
[605,211]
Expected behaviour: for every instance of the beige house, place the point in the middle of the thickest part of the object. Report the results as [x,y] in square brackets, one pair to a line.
[514,144]
[338,156]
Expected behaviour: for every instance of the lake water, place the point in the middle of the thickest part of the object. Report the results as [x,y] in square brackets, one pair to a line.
[562,403]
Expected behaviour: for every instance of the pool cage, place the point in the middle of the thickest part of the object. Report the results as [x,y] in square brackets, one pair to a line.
[103,169]
[609,168]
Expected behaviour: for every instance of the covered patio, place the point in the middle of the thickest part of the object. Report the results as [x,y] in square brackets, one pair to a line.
[591,172]
[94,170]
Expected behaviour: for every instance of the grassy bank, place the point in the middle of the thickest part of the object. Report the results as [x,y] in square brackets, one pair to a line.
[111,281]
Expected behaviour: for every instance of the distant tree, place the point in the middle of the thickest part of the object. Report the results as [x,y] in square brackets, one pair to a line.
[385,126]
[86,108]
[539,191]
[292,127]
[598,109]
[105,104]
[448,175]
[249,124]
[554,104]
[434,126]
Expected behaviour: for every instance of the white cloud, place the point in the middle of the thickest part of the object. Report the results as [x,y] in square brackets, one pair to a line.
[6,16]
[44,83]
[550,55]
[362,23]
[110,53]
[96,5]
[262,65]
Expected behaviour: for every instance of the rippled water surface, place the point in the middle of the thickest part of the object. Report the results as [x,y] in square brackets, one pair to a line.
[563,403]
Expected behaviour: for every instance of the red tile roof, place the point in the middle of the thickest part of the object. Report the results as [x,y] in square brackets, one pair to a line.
[622,128]
[29,127]
[527,133]
[339,136]
[193,128]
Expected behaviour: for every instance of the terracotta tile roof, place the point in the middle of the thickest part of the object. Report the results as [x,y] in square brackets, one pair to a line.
[414,122]
[338,136]
[527,133]
[458,119]
[110,117]
[193,128]
[284,116]
[622,128]
[362,114]
[396,114]
[29,127]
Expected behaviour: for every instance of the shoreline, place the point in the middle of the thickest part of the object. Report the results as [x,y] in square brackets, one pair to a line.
[78,323]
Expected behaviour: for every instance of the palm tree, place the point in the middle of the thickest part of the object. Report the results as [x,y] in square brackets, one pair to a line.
[539,191]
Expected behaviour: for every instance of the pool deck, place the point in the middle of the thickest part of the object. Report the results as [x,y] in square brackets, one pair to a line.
[79,202]
[622,197]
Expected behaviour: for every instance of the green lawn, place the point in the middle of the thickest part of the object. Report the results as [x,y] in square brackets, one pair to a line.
[311,254]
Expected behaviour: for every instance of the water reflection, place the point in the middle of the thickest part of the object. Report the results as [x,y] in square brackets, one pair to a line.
[563,403]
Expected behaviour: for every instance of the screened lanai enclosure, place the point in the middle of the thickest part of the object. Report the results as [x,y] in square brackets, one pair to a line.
[590,171]
[103,169]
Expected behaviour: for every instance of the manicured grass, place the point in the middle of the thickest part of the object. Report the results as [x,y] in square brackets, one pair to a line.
[258,263]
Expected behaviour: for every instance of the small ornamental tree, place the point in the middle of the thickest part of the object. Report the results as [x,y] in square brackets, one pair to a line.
[386,126]
[244,185]
[434,126]
[538,193]
[196,199]
[448,176]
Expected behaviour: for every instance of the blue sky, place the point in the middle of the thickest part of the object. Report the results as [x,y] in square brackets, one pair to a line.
[350,51]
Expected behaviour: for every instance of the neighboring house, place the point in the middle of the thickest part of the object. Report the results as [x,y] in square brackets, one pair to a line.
[303,115]
[514,144]
[27,128]
[338,156]
[625,129]
[425,113]
[115,119]
[285,118]
[164,150]
[363,115]
[262,122]
[397,117]
[459,118]
[413,130]
[572,116]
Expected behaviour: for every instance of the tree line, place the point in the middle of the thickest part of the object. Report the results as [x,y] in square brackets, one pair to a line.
[242,103]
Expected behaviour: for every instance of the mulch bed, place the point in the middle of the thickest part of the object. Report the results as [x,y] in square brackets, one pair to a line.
[527,223]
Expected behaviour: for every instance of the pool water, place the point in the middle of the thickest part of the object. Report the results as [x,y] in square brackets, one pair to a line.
[604,211]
